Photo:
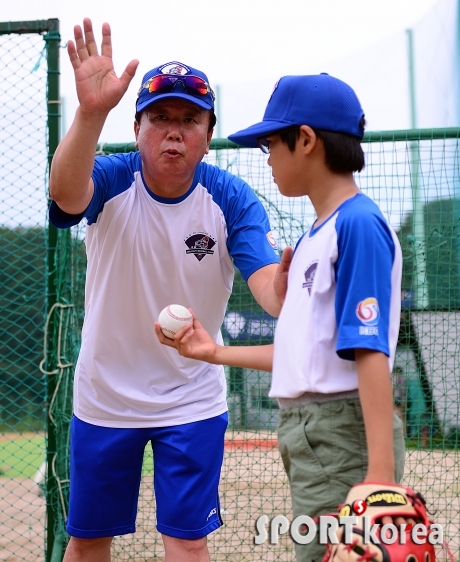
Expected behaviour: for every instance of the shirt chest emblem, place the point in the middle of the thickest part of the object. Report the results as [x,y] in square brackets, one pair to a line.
[200,244]
[310,276]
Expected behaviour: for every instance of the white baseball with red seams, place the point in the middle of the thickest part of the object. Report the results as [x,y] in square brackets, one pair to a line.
[173,318]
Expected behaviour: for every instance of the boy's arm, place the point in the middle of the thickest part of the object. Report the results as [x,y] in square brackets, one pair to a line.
[376,396]
[99,90]
[259,357]
[193,341]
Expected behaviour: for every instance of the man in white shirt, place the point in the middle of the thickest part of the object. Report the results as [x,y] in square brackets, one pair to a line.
[162,227]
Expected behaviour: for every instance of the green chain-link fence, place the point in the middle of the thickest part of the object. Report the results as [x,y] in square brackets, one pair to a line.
[25,141]
[413,176]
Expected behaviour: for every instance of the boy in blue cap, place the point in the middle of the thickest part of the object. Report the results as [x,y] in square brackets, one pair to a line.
[336,336]
[162,227]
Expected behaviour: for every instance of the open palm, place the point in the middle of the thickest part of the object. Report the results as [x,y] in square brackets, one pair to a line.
[98,87]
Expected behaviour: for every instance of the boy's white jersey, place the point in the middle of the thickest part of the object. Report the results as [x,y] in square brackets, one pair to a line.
[144,253]
[344,292]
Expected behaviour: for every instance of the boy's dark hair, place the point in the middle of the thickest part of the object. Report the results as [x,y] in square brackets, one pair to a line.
[212,119]
[344,153]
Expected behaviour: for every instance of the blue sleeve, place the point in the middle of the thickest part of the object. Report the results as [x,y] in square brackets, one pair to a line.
[111,175]
[366,252]
[249,238]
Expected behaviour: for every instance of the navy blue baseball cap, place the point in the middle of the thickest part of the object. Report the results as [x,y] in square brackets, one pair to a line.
[320,101]
[175,80]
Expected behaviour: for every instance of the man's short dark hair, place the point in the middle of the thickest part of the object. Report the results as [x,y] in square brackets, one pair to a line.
[212,119]
[344,153]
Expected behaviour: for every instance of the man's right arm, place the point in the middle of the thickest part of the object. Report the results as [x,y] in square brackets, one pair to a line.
[99,90]
[71,186]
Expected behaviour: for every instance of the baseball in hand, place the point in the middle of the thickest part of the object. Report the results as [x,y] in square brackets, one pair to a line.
[173,318]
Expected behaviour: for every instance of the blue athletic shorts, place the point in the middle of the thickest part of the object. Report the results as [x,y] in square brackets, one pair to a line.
[105,476]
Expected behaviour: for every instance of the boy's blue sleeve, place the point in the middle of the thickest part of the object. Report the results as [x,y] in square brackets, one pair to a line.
[366,253]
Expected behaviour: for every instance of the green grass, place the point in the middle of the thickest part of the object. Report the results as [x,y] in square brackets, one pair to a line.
[147,467]
[21,457]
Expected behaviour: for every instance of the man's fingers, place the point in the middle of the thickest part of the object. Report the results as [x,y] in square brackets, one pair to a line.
[80,43]
[91,46]
[129,73]
[286,258]
[75,61]
[106,45]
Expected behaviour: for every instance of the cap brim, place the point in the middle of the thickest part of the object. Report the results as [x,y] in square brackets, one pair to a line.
[248,137]
[171,95]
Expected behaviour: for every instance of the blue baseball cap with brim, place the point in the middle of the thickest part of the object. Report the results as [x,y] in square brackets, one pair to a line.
[178,89]
[320,101]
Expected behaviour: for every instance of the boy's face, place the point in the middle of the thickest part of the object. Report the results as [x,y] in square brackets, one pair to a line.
[287,166]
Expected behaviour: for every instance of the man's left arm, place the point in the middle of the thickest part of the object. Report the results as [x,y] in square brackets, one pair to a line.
[262,288]
[269,284]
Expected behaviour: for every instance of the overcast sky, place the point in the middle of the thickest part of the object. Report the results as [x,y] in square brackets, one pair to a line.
[244,46]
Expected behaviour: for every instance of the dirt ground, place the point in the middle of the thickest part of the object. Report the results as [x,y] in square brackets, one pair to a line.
[253,484]
[22,521]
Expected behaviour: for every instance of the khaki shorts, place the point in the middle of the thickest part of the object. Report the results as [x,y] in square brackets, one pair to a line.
[324,452]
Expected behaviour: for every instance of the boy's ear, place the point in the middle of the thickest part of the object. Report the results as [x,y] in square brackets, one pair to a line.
[308,139]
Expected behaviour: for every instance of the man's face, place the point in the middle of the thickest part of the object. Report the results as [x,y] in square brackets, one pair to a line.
[172,137]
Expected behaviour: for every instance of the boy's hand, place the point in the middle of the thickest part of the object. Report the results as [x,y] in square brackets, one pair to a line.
[191,341]
[98,88]
[281,278]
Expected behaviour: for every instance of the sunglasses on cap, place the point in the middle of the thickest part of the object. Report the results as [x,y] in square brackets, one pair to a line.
[165,83]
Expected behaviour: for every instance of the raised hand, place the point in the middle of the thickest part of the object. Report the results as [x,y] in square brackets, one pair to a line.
[191,341]
[98,88]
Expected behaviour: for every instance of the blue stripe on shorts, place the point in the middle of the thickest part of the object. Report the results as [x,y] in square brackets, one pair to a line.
[105,476]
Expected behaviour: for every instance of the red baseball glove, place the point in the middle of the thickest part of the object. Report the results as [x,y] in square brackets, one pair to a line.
[371,540]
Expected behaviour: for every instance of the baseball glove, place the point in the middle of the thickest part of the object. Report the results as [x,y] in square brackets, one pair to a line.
[370,540]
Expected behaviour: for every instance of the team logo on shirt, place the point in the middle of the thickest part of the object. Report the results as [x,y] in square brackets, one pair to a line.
[310,276]
[368,313]
[200,244]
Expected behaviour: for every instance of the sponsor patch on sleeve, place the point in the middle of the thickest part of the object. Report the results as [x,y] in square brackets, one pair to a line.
[272,241]
[368,313]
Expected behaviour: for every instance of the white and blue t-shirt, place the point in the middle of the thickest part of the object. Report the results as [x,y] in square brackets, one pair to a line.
[344,292]
[145,252]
